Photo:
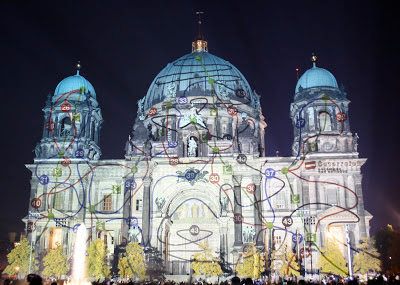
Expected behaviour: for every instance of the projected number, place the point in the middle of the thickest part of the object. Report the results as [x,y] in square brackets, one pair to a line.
[50,126]
[190,175]
[238,218]
[66,162]
[194,230]
[44,179]
[152,111]
[132,221]
[251,188]
[214,178]
[172,144]
[270,173]
[300,123]
[36,203]
[241,159]
[30,227]
[130,184]
[341,117]
[173,161]
[66,107]
[182,100]
[307,252]
[287,221]
[240,93]
[232,111]
[79,153]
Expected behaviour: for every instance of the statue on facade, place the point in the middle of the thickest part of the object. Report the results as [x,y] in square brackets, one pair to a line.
[193,117]
[256,100]
[160,202]
[133,234]
[171,91]
[355,142]
[249,234]
[224,204]
[37,150]
[222,93]
[140,105]
[192,146]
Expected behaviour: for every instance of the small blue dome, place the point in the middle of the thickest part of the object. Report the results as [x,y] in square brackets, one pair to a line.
[72,83]
[316,77]
[189,76]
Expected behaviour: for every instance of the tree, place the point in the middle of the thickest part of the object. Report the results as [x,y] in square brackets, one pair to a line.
[387,241]
[55,263]
[253,262]
[284,261]
[132,264]
[19,258]
[204,263]
[332,260]
[97,260]
[367,257]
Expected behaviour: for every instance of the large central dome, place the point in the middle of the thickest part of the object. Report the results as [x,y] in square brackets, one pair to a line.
[189,76]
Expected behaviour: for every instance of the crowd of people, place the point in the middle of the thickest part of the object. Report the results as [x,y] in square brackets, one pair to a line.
[379,279]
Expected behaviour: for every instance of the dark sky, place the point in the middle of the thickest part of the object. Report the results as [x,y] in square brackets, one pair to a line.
[122,45]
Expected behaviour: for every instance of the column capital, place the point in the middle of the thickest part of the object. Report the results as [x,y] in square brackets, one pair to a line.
[237,180]
[147,181]
[257,179]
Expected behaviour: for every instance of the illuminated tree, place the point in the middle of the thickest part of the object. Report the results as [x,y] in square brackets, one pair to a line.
[97,260]
[18,260]
[55,263]
[332,259]
[387,242]
[367,257]
[133,262]
[253,263]
[284,261]
[204,263]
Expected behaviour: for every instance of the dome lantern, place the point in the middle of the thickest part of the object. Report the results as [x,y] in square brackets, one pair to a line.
[199,44]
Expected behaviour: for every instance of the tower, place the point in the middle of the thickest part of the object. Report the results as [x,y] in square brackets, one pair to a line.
[72,122]
[319,115]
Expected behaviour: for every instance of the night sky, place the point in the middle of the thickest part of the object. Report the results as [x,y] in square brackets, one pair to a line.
[122,45]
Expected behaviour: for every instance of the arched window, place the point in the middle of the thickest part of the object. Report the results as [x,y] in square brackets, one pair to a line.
[324,121]
[66,127]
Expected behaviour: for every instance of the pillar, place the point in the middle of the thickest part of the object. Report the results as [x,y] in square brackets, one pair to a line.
[146,211]
[237,179]
[258,212]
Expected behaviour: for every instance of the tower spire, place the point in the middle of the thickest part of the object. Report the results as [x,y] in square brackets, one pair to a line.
[199,44]
[78,67]
[314,59]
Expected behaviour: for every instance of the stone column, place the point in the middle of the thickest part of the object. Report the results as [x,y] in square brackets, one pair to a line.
[146,212]
[258,211]
[237,179]
[223,246]
[360,206]
[126,213]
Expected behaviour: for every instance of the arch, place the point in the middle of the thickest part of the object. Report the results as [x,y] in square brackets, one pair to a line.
[66,127]
[325,123]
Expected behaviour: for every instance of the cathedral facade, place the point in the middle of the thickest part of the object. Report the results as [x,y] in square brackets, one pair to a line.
[195,169]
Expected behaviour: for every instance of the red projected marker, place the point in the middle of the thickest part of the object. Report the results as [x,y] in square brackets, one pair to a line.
[66,107]
[232,111]
[238,218]
[152,111]
[341,117]
[36,203]
[66,162]
[251,188]
[214,178]
[173,161]
[50,126]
